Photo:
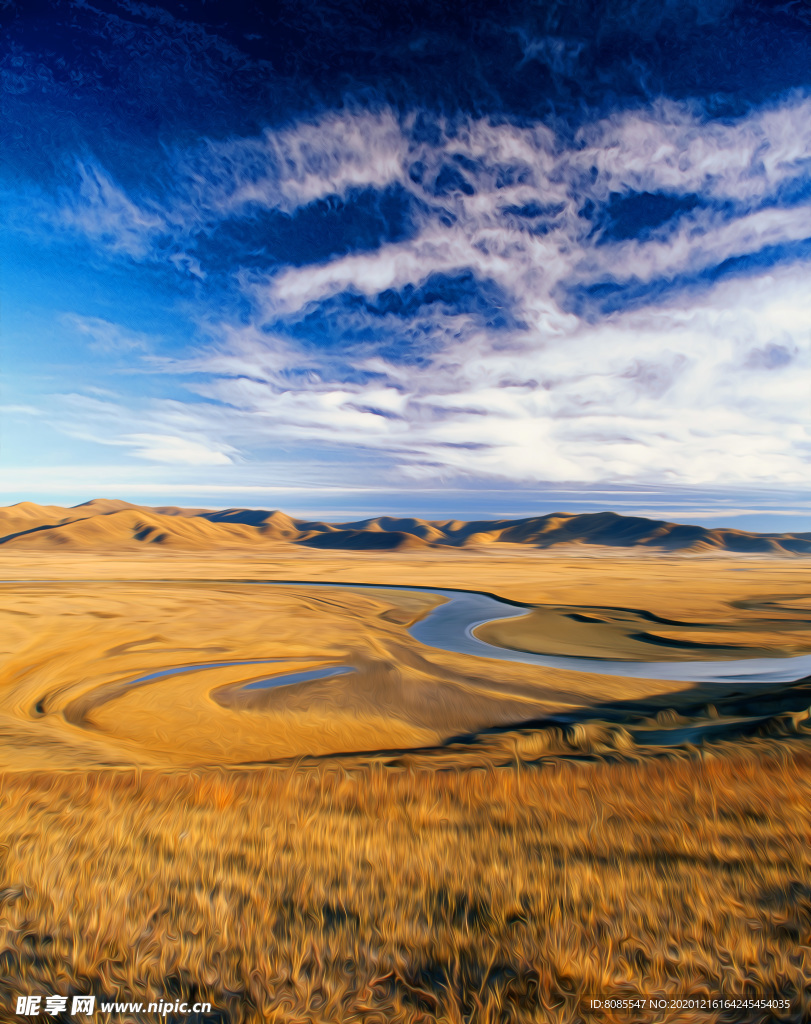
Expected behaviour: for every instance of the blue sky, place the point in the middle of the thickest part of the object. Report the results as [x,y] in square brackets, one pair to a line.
[454,260]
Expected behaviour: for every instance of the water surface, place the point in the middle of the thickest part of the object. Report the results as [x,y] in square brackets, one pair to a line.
[450,626]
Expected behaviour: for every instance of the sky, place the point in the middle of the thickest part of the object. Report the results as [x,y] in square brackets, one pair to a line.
[438,258]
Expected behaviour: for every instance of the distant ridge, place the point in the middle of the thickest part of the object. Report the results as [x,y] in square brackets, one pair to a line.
[111,525]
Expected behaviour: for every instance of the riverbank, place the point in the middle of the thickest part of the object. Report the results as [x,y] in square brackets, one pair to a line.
[77,650]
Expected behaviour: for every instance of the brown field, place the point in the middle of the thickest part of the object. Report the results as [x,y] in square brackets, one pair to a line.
[328,852]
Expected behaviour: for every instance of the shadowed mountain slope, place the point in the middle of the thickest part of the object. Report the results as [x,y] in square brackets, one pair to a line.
[116,525]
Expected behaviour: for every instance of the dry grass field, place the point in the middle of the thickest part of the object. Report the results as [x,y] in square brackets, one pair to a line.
[481,888]
[327,852]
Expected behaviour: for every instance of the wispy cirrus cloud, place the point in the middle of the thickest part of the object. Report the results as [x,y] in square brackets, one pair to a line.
[160,431]
[105,336]
[472,174]
[180,451]
[105,215]
[503,335]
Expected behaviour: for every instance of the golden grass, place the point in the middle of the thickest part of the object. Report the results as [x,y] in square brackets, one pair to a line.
[500,881]
[475,889]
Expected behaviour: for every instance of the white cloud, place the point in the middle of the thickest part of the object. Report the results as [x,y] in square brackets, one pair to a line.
[20,410]
[703,240]
[676,147]
[179,451]
[103,213]
[660,396]
[292,167]
[105,336]
[164,432]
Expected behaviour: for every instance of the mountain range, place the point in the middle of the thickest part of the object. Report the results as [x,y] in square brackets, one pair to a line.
[106,524]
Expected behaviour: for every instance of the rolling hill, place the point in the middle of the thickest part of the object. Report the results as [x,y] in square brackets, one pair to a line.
[112,525]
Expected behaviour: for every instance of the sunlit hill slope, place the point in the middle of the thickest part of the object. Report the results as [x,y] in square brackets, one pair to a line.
[104,524]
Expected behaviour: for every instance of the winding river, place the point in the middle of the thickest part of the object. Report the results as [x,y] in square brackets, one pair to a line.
[450,627]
